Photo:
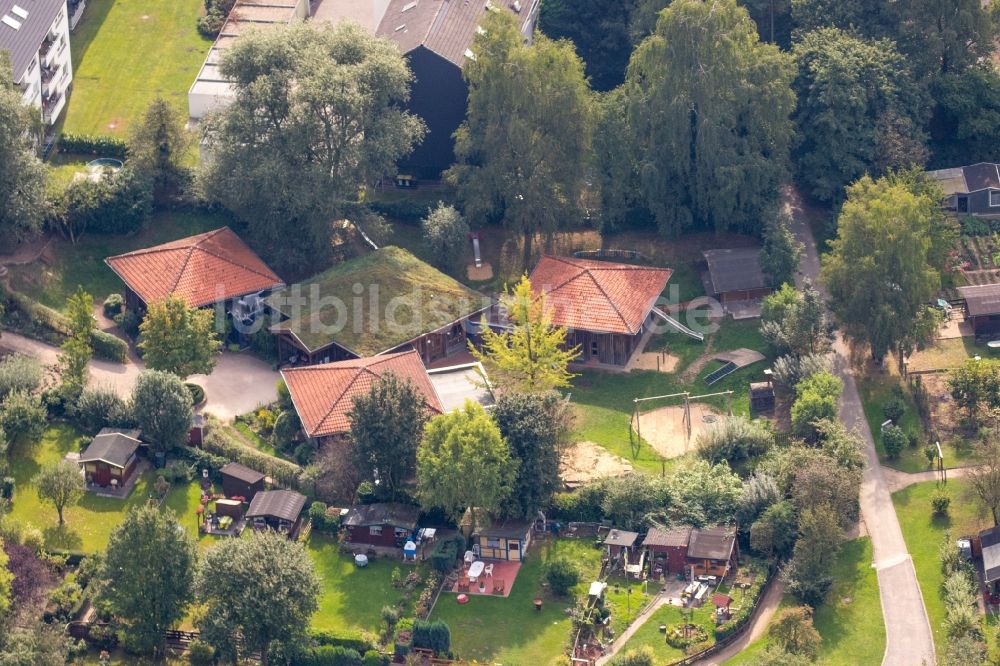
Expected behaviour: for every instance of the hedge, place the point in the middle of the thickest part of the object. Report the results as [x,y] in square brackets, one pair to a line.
[329,655]
[444,555]
[203,460]
[434,636]
[227,445]
[401,210]
[86,144]
[355,642]
[108,347]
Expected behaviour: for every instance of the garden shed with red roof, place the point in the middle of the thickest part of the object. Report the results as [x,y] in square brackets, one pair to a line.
[323,395]
[209,268]
[606,306]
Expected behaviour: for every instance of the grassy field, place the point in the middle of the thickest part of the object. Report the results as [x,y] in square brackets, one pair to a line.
[508,630]
[351,599]
[850,621]
[946,354]
[127,53]
[64,266]
[604,399]
[90,522]
[875,392]
[924,533]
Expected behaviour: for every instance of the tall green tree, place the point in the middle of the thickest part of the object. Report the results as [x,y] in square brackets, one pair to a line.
[965,127]
[794,321]
[531,357]
[318,114]
[255,592]
[157,147]
[446,235]
[793,630]
[878,270]
[866,17]
[386,425]
[943,36]
[464,463]
[709,106]
[22,174]
[178,338]
[148,573]
[780,254]
[856,99]
[530,426]
[984,477]
[78,349]
[61,484]
[161,405]
[523,151]
[809,574]
[6,578]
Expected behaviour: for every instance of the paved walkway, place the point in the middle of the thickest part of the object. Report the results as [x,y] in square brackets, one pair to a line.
[909,641]
[640,619]
[762,617]
[239,383]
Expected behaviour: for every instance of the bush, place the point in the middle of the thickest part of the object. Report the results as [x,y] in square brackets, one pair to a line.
[444,555]
[894,439]
[113,304]
[7,485]
[118,204]
[128,322]
[358,643]
[85,144]
[286,428]
[373,658]
[19,373]
[101,407]
[940,502]
[22,416]
[103,636]
[284,396]
[894,409]
[930,452]
[561,575]
[434,636]
[734,439]
[445,235]
[108,347]
[319,519]
[201,653]
[197,393]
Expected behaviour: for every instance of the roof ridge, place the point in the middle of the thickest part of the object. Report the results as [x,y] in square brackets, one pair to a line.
[212,234]
[160,247]
[357,372]
[180,273]
[610,300]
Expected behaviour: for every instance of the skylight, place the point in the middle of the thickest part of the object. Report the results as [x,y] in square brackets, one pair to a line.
[20,11]
[410,5]
[12,22]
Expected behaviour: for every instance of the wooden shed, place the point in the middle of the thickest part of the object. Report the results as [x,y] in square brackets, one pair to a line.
[241,481]
[667,550]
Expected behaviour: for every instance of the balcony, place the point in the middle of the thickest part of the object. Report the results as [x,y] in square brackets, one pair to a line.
[49,79]
[49,50]
[52,107]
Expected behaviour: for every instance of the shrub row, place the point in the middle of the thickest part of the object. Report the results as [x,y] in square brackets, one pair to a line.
[354,642]
[402,210]
[108,347]
[445,553]
[87,144]
[225,444]
[974,226]
[741,616]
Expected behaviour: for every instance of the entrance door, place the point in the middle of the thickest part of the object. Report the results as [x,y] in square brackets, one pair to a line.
[513,550]
[962,203]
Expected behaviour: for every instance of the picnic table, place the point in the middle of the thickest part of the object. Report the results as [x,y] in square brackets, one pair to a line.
[476,570]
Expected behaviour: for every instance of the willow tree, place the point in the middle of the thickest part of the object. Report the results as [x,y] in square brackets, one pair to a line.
[317,115]
[525,145]
[22,174]
[709,105]
[532,356]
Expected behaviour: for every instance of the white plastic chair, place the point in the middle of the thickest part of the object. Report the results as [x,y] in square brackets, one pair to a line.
[488,570]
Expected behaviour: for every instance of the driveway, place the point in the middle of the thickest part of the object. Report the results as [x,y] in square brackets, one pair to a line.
[909,641]
[239,383]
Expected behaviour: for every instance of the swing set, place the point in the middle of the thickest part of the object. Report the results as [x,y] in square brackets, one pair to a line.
[635,432]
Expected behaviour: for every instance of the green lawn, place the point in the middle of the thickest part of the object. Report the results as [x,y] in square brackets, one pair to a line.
[125,54]
[508,630]
[850,621]
[924,533]
[875,392]
[88,524]
[604,399]
[649,633]
[351,599]
[64,266]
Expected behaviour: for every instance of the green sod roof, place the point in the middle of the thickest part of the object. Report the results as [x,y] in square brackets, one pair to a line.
[373,303]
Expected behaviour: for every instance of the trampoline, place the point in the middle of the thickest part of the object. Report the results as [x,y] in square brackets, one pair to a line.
[104,165]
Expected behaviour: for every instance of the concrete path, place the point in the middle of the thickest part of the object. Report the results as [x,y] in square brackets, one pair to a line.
[239,383]
[897,480]
[909,641]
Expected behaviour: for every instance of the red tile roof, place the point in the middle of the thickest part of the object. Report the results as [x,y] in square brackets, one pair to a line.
[598,296]
[203,269]
[324,394]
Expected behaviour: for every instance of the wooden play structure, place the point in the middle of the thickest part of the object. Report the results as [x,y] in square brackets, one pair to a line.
[635,427]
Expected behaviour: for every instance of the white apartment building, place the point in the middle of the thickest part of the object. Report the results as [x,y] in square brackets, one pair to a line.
[35,33]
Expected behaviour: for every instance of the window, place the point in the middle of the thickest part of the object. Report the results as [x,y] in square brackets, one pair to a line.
[994,198]
[375,530]
[492,542]
[593,348]
[400,533]
[513,546]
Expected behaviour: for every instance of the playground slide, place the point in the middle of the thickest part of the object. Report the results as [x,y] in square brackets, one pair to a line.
[475,250]
[677,325]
